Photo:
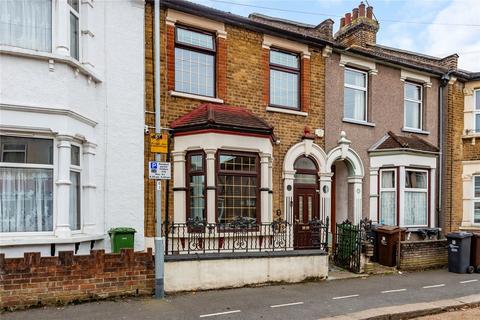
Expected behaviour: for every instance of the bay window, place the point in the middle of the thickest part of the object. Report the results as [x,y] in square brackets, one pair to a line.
[355,95]
[237,186]
[477,110]
[74,6]
[284,79]
[413,106]
[194,61]
[196,186]
[388,197]
[416,198]
[75,193]
[26,184]
[476,199]
[26,24]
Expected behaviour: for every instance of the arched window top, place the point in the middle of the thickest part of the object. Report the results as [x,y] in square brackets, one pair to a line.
[305,164]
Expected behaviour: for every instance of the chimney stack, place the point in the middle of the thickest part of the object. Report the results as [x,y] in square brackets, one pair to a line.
[358,27]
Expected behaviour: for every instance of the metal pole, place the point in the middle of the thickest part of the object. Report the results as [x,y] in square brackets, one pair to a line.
[159,251]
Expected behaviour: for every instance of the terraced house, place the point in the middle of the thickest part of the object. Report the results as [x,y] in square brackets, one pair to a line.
[276,124]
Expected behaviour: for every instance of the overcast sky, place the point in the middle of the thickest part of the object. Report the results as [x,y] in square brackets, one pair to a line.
[428,35]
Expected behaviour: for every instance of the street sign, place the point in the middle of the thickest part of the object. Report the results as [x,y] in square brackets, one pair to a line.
[159,170]
[159,143]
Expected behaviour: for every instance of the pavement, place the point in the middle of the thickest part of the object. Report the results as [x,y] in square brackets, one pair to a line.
[468,314]
[393,296]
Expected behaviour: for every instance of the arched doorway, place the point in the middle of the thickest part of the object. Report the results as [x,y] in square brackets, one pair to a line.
[305,200]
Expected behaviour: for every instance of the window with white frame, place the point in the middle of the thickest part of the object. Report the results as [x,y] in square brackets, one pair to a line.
[388,197]
[413,106]
[355,94]
[284,79]
[477,110]
[26,184]
[75,191]
[194,61]
[74,28]
[26,24]
[416,198]
[476,199]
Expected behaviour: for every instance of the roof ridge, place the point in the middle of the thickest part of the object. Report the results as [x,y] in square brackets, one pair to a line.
[398,139]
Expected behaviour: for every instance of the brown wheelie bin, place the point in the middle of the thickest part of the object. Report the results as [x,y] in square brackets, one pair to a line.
[475,252]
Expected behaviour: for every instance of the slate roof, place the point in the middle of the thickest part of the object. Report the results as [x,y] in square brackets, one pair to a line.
[392,141]
[223,117]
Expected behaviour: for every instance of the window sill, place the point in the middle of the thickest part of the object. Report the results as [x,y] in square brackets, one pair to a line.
[363,123]
[20,52]
[6,240]
[194,96]
[416,131]
[287,111]
[471,135]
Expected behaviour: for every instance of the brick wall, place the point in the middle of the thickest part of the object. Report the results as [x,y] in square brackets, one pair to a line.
[420,255]
[34,280]
[245,64]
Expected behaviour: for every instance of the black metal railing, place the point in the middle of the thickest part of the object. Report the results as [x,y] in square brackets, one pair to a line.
[241,235]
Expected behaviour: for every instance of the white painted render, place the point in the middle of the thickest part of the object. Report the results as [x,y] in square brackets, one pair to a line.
[190,275]
[97,103]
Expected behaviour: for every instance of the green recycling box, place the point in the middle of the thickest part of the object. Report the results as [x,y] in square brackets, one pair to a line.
[122,237]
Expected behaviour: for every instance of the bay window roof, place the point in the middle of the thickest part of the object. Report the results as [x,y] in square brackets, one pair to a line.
[392,141]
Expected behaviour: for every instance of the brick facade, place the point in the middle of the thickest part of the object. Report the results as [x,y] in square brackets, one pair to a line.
[36,281]
[421,255]
[246,65]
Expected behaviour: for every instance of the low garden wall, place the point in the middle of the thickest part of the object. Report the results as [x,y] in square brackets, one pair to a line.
[425,254]
[34,280]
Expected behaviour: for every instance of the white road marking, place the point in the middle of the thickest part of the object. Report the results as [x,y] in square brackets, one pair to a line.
[286,304]
[468,281]
[396,290]
[434,286]
[345,297]
[219,313]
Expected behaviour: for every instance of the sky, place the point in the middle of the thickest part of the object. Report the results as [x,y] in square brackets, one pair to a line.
[434,27]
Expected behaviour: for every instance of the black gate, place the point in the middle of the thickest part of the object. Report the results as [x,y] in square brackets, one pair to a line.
[348,246]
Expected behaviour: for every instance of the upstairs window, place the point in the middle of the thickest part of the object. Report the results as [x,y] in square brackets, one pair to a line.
[355,95]
[26,24]
[284,79]
[194,62]
[477,110]
[26,184]
[476,199]
[413,106]
[74,28]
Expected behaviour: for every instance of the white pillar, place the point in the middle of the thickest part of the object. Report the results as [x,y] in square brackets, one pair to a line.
[357,198]
[86,34]
[62,28]
[326,197]
[89,188]
[179,188]
[288,180]
[62,225]
[374,194]
[211,186]
[265,214]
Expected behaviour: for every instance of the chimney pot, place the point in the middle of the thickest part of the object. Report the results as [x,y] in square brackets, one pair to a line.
[355,13]
[342,22]
[370,12]
[361,10]
[348,18]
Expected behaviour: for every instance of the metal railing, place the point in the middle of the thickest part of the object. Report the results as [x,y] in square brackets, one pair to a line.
[241,235]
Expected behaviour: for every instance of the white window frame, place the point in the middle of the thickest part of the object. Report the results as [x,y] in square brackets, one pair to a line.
[78,169]
[35,166]
[475,110]
[474,199]
[414,101]
[394,189]
[365,89]
[76,14]
[426,190]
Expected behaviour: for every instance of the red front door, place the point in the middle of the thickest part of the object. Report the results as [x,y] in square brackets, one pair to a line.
[305,209]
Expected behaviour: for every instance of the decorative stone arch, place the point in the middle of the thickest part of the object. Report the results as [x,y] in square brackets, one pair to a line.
[356,173]
[304,148]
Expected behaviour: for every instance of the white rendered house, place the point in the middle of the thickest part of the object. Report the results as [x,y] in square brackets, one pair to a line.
[71,124]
